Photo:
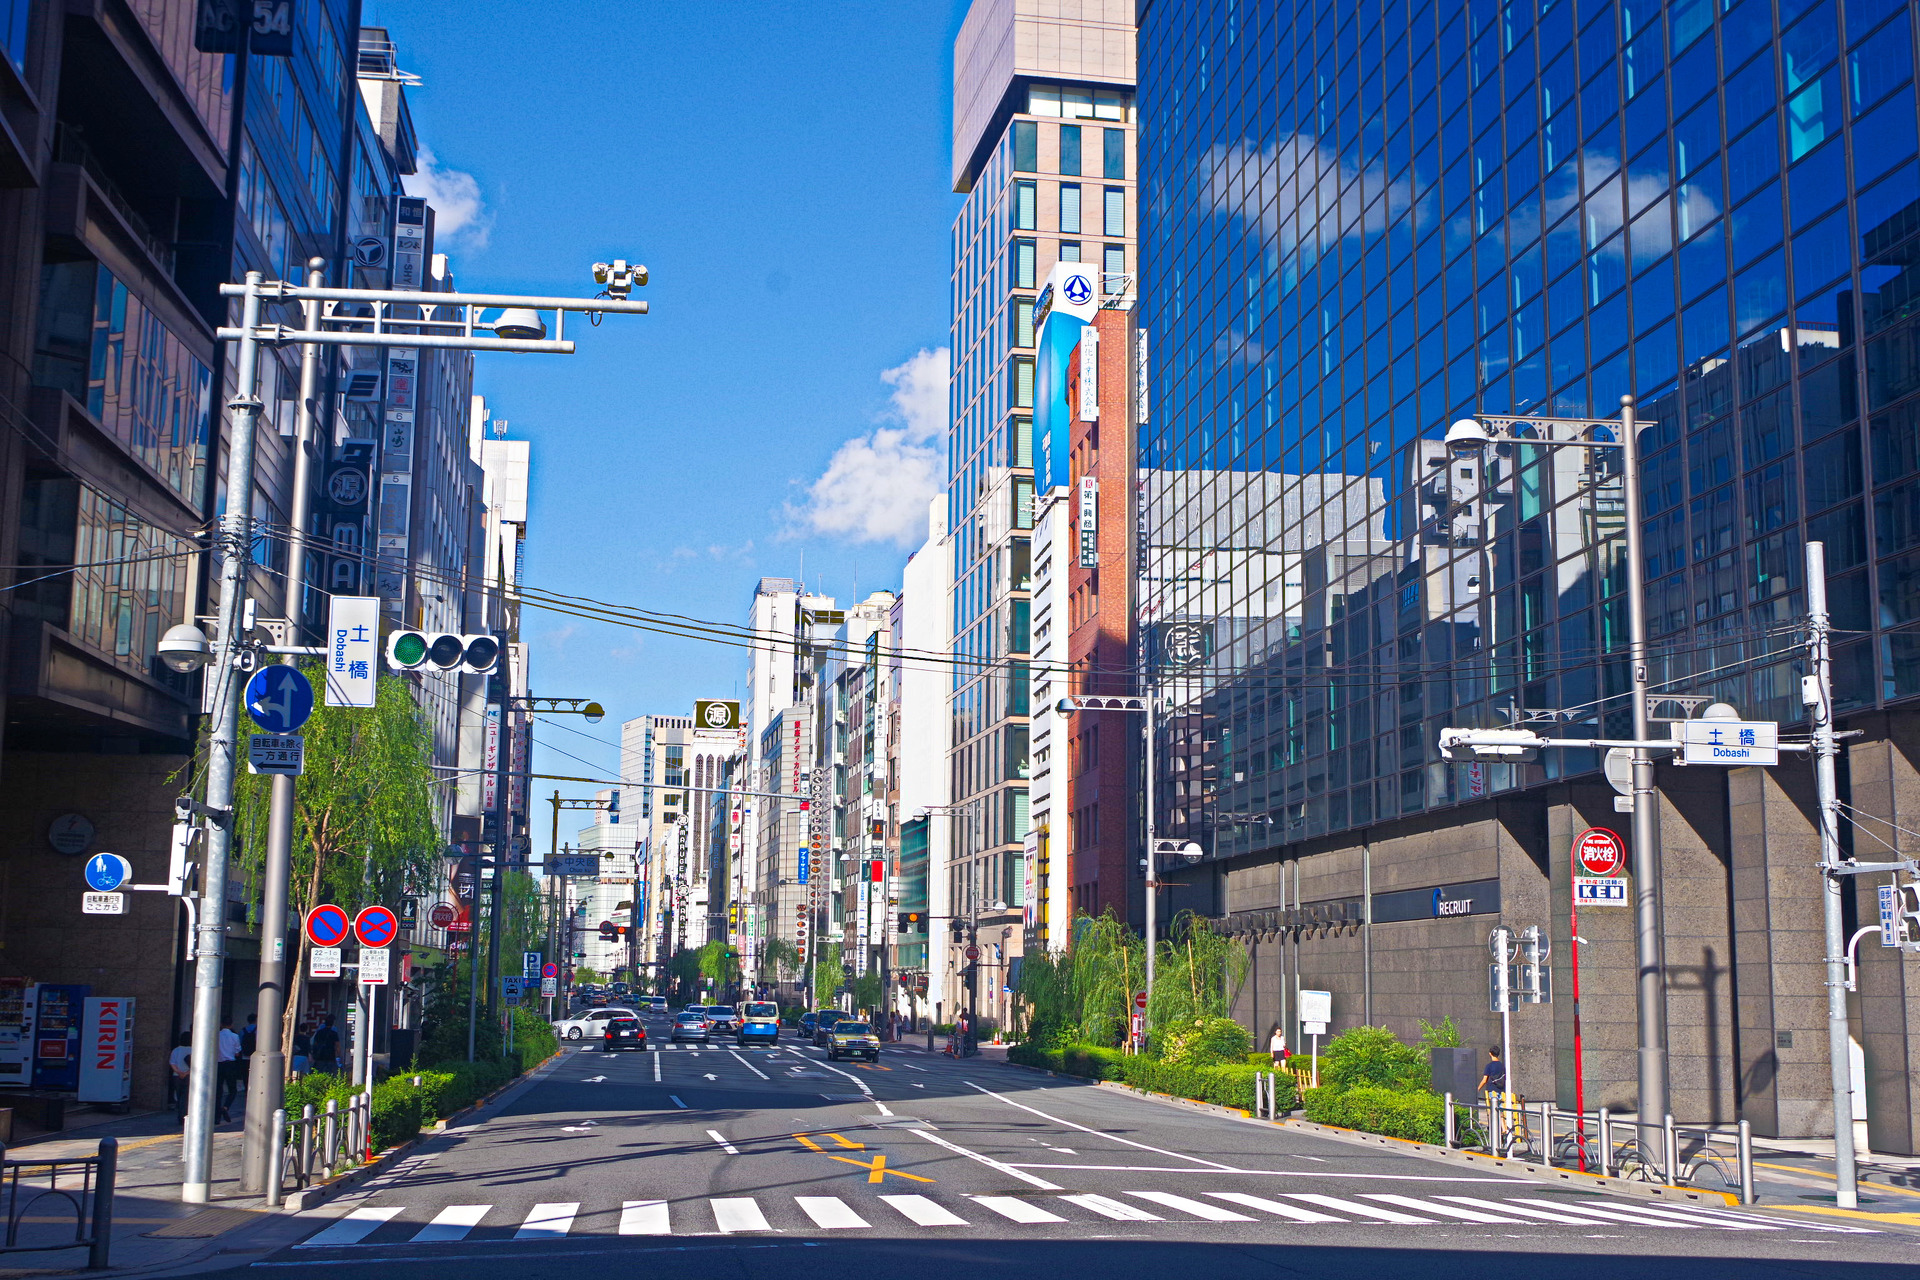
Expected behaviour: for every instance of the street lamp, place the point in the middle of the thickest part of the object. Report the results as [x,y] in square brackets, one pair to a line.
[1469,436]
[333,317]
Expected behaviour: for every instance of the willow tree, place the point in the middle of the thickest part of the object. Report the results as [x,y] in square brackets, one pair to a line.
[781,958]
[364,824]
[1108,964]
[1197,973]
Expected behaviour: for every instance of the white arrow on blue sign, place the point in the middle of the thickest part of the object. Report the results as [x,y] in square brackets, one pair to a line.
[107,872]
[279,699]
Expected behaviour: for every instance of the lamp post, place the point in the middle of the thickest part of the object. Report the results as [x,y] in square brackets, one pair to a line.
[335,317]
[1469,436]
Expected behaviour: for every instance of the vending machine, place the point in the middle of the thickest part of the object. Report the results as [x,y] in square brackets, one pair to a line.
[56,1035]
[16,1032]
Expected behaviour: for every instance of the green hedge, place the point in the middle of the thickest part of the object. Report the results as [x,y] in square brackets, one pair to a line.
[1371,1109]
[1228,1086]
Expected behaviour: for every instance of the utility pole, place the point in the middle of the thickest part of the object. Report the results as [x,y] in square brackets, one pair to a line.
[1817,694]
[1153,871]
[267,1071]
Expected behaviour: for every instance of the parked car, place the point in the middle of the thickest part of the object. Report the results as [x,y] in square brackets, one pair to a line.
[589,1023]
[823,1020]
[849,1039]
[689,1024]
[623,1033]
[723,1017]
[759,1023]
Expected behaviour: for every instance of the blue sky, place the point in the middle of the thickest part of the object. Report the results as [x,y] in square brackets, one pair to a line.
[783,171]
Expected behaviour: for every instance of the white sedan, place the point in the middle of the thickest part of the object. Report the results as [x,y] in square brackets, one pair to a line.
[590,1024]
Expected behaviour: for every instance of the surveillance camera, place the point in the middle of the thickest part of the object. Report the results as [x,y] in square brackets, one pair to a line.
[619,276]
[184,648]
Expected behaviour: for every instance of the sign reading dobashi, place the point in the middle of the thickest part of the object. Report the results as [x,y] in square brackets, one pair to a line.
[1599,852]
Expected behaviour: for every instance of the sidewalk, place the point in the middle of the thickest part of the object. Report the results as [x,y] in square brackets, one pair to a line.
[1799,1172]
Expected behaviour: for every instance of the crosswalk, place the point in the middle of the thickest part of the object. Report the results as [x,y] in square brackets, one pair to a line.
[743,1215]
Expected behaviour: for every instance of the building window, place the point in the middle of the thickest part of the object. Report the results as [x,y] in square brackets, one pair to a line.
[1025,203]
[1069,251]
[1069,206]
[1113,143]
[1116,212]
[1070,149]
[1023,382]
[1022,508]
[1114,269]
[1026,146]
[1023,264]
[1023,322]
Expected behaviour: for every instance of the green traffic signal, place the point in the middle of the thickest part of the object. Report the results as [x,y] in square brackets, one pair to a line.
[410,648]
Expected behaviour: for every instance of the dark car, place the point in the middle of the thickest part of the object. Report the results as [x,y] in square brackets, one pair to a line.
[850,1039]
[624,1032]
[689,1024]
[823,1020]
[723,1017]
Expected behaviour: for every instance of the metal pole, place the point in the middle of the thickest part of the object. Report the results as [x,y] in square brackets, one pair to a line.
[1366,931]
[106,1174]
[267,1072]
[1650,948]
[503,835]
[1819,699]
[1153,887]
[236,533]
[1503,985]
[1579,1061]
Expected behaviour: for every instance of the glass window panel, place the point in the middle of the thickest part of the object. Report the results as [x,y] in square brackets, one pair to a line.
[1760,293]
[1756,225]
[1114,153]
[1652,299]
[1115,217]
[1069,207]
[1750,94]
[1821,253]
[1744,28]
[1025,205]
[1834,471]
[1026,146]
[1813,115]
[1881,63]
[1024,263]
[1114,268]
[1751,160]
[1881,139]
[1810,45]
[1070,149]
[1705,327]
[1817,183]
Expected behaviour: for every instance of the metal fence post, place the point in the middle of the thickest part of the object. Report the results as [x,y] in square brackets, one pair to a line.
[1446,1119]
[1672,1153]
[104,1177]
[277,1156]
[1606,1143]
[306,1144]
[1546,1134]
[1745,1160]
[329,1134]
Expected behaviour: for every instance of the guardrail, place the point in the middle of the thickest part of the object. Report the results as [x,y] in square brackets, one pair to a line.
[315,1145]
[88,1190]
[1686,1155]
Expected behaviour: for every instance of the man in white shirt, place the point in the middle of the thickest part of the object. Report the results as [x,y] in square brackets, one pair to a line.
[179,1063]
[229,1074]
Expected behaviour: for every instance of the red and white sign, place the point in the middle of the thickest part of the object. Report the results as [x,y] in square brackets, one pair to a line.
[442,915]
[1140,1000]
[106,1049]
[1599,852]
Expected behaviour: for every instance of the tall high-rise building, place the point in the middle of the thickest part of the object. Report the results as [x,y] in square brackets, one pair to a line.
[1043,150]
[1363,221]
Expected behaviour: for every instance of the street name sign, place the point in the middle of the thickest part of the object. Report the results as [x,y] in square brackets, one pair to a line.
[375,964]
[574,864]
[353,650]
[1729,742]
[277,753]
[103,904]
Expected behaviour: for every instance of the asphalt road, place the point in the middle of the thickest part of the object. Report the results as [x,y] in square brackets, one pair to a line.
[685,1160]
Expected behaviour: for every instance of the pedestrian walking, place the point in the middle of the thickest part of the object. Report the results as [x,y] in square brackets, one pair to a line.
[326,1048]
[1277,1048]
[179,1066]
[1494,1079]
[302,1049]
[228,1077]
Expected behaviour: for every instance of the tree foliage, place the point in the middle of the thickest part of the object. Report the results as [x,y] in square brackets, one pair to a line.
[781,958]
[827,973]
[1086,995]
[1372,1056]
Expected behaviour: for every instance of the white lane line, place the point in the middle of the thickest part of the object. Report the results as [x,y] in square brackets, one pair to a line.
[1361,1210]
[883,1107]
[739,1214]
[922,1212]
[1613,1214]
[676,1102]
[451,1223]
[1507,1206]
[1177,1155]
[1018,1210]
[1112,1209]
[829,1212]
[352,1229]
[1198,1208]
[749,1066]
[849,1075]
[1274,1207]
[715,1135]
[909,1066]
[989,1161]
[644,1218]
[1717,1214]
[1261,1173]
[548,1221]
[656,1066]
[1429,1206]
[1704,1218]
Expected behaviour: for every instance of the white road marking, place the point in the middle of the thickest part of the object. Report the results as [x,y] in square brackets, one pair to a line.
[676,1102]
[352,1229]
[749,1066]
[849,1075]
[1273,1207]
[1706,1218]
[989,1161]
[451,1223]
[1427,1206]
[922,1212]
[1112,1209]
[829,1212]
[1177,1155]
[909,1066]
[1016,1209]
[883,1107]
[715,1135]
[548,1221]
[1363,1210]
[1261,1173]
[656,1066]
[1198,1208]
[1507,1206]
[644,1218]
[1612,1214]
[739,1214]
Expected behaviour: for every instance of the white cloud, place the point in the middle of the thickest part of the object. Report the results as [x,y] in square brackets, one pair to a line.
[876,486]
[461,218]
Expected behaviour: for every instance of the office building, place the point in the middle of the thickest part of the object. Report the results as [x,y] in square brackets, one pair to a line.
[1360,222]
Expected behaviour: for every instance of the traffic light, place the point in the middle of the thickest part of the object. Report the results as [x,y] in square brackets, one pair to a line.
[912,921]
[959,931]
[1906,910]
[442,651]
[613,807]
[608,931]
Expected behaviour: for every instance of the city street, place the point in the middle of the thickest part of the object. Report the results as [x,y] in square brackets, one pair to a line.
[766,1159]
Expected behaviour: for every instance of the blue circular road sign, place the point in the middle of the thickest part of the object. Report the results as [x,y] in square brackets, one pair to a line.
[107,872]
[279,699]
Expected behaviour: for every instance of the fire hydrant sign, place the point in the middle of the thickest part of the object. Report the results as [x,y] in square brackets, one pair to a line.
[375,965]
[1599,852]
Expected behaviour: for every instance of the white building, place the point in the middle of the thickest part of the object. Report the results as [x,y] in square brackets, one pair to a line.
[922,788]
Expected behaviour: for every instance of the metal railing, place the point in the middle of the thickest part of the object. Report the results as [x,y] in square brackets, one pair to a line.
[1686,1155]
[85,1183]
[315,1145]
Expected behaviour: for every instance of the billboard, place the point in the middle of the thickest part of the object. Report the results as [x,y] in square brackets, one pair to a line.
[1069,299]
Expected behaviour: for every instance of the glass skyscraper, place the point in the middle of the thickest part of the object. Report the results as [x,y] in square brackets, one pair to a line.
[1362,220]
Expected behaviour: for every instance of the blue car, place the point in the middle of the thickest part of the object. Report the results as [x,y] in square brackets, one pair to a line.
[759,1023]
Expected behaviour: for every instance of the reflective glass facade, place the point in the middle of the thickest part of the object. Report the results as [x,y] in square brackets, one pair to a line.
[1360,221]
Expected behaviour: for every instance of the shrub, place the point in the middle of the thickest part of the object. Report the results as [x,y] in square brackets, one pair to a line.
[1372,1056]
[1416,1116]
[533,1036]
[396,1112]
[1228,1086]
[1208,1042]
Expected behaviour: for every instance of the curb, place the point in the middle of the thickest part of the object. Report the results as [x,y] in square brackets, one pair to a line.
[1521,1168]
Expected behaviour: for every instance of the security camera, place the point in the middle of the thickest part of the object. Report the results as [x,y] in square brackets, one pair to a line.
[184,648]
[620,277]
